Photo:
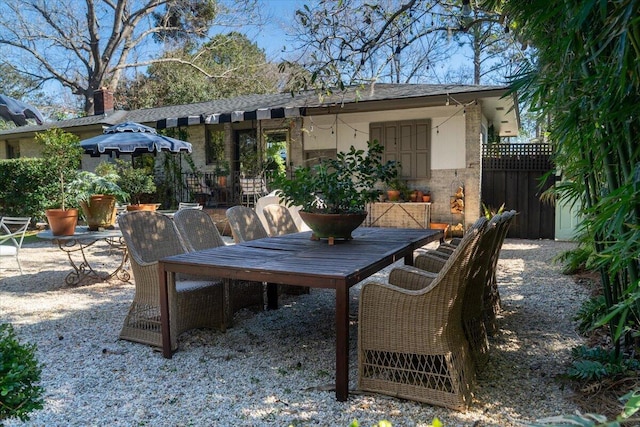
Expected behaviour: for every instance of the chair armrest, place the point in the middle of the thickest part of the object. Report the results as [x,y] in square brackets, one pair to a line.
[446,249]
[387,312]
[431,261]
[410,278]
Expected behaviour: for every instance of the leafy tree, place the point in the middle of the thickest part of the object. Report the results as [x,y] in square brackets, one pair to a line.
[90,44]
[225,66]
[587,79]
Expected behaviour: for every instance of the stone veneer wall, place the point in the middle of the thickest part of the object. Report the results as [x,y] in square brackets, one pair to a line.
[442,180]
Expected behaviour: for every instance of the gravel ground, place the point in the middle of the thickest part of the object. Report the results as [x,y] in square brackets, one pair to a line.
[274,368]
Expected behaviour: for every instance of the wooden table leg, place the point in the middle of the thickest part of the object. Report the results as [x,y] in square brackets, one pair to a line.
[164,308]
[272,296]
[342,342]
[227,306]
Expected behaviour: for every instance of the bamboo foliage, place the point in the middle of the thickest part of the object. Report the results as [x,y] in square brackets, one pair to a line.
[587,78]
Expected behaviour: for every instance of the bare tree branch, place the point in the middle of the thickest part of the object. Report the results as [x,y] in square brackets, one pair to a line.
[90,44]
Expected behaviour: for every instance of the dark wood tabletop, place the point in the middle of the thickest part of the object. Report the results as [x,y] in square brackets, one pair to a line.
[295,259]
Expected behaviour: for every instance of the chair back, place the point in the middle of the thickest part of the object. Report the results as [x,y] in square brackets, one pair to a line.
[186,205]
[12,230]
[279,220]
[197,229]
[245,224]
[150,236]
[450,283]
[492,295]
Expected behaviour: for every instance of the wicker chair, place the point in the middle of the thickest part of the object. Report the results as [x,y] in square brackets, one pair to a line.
[411,343]
[492,295]
[198,231]
[434,259]
[479,276]
[245,224]
[151,236]
[279,220]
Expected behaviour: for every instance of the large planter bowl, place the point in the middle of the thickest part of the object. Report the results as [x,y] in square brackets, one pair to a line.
[143,207]
[100,212]
[332,226]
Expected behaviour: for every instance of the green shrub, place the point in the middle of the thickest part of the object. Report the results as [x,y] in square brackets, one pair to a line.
[28,186]
[575,260]
[596,363]
[19,376]
[590,312]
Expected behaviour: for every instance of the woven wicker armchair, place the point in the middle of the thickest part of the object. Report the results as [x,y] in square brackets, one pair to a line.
[492,295]
[479,276]
[245,224]
[279,220]
[199,231]
[151,236]
[411,343]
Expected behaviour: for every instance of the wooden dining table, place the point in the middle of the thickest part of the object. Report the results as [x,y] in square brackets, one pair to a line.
[295,259]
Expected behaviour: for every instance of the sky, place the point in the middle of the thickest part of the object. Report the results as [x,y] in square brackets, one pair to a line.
[280,14]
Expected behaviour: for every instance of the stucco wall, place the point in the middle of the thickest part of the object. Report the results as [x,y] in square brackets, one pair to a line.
[455,150]
[340,131]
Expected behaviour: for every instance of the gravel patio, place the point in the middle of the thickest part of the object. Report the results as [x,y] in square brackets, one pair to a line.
[274,368]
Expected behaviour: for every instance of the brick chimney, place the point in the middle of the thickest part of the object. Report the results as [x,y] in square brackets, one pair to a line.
[102,101]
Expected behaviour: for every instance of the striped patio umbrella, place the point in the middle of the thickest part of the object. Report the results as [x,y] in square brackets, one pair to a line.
[18,112]
[132,138]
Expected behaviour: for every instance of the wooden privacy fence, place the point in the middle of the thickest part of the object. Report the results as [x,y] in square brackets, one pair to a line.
[513,174]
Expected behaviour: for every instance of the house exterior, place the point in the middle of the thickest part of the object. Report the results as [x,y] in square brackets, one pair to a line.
[435,131]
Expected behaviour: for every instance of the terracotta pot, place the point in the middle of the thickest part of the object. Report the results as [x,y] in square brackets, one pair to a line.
[100,212]
[143,207]
[62,222]
[393,195]
[332,226]
[426,198]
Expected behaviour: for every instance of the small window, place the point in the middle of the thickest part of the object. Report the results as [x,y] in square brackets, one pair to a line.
[214,144]
[248,155]
[13,150]
[276,154]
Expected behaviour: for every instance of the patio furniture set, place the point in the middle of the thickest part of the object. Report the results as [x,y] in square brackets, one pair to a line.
[422,336]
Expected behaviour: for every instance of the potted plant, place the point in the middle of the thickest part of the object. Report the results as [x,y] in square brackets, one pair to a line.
[63,152]
[97,196]
[397,189]
[135,182]
[334,193]
[222,172]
